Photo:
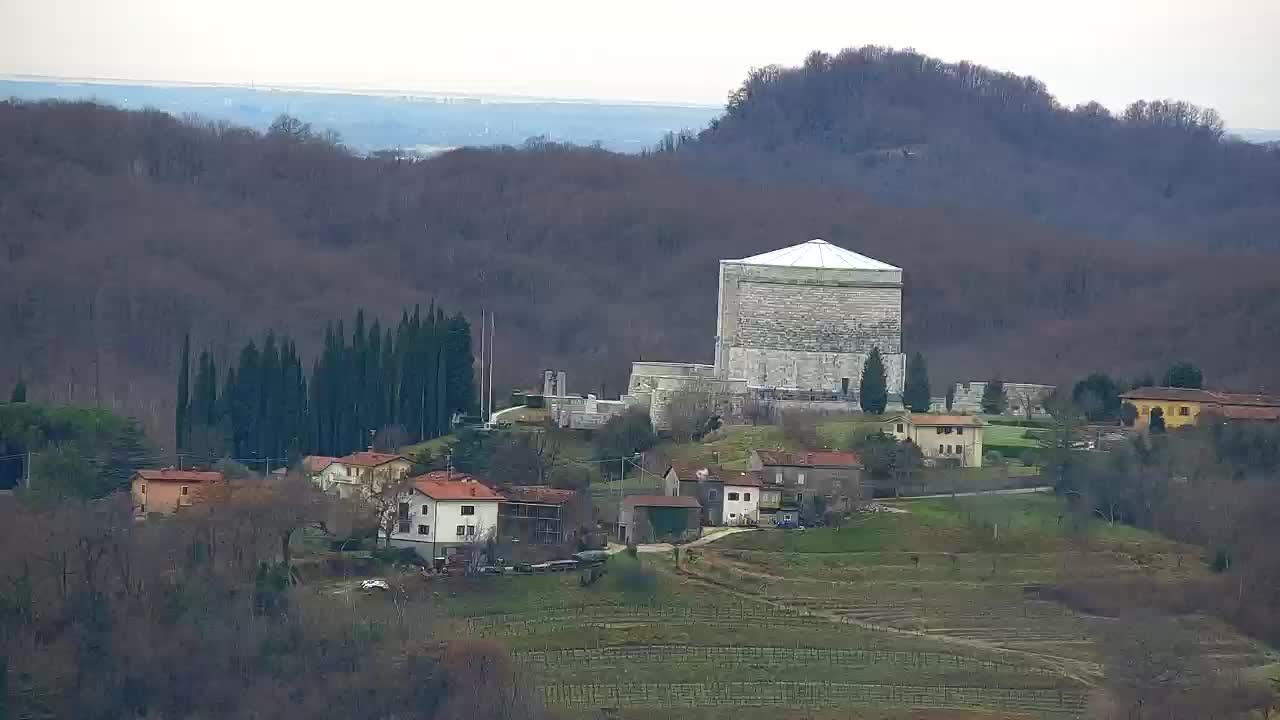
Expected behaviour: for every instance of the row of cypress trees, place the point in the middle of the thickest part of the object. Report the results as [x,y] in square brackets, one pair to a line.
[369,380]
[873,388]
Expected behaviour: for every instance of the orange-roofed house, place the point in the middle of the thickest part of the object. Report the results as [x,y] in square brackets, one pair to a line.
[1184,406]
[167,491]
[357,473]
[953,439]
[444,512]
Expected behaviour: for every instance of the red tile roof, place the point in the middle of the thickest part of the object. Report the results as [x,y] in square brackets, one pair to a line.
[316,463]
[808,458]
[744,479]
[186,476]
[1242,412]
[694,472]
[437,486]
[369,459]
[929,420]
[536,494]
[1211,397]
[683,501]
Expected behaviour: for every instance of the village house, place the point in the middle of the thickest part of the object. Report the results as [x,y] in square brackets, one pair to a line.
[1184,406]
[941,438]
[728,497]
[442,513]
[659,518]
[357,473]
[790,482]
[169,490]
[536,514]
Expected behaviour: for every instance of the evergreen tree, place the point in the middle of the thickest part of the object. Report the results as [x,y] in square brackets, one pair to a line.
[182,410]
[873,389]
[1157,420]
[993,399]
[461,391]
[916,394]
[951,396]
[1184,375]
[204,395]
[19,394]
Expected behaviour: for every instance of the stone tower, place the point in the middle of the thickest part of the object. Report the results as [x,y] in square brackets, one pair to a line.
[805,317]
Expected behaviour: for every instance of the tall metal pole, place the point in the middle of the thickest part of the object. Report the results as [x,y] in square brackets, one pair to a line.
[483,417]
[492,340]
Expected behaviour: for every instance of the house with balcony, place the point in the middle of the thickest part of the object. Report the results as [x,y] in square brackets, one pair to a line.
[443,513]
[357,473]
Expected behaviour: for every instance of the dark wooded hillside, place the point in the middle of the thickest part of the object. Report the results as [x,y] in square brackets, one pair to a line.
[120,231]
[916,130]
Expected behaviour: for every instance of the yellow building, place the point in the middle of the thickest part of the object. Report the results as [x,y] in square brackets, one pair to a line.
[1184,406]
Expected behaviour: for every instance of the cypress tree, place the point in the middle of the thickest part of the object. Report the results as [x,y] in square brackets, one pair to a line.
[459,363]
[873,389]
[19,394]
[204,394]
[182,410]
[916,394]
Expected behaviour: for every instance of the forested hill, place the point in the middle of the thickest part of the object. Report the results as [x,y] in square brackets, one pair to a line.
[918,131]
[121,231]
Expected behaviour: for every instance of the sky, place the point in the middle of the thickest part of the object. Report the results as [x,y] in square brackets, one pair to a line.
[1221,53]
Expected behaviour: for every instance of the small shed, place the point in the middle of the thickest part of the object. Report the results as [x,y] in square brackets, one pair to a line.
[659,518]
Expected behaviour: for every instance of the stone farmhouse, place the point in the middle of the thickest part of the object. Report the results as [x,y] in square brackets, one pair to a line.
[794,324]
[727,497]
[942,439]
[168,491]
[790,482]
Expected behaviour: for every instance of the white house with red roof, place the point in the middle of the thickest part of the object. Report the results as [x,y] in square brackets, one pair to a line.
[355,473]
[444,512]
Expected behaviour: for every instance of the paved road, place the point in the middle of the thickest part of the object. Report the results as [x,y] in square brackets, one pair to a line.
[1014,491]
[710,537]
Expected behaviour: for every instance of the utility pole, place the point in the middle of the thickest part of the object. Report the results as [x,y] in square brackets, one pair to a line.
[28,469]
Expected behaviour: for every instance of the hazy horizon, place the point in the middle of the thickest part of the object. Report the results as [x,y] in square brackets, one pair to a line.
[664,52]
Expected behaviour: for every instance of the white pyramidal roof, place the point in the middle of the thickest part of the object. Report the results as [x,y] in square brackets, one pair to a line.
[817,254]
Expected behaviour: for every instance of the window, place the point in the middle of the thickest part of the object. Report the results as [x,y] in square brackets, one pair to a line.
[733,496]
[959,431]
[746,497]
[800,479]
[471,531]
[939,430]
[403,526]
[426,510]
[778,478]
[184,489]
[462,531]
[351,472]
[901,427]
[940,452]
[424,529]
[733,515]
[144,489]
[947,430]
[468,509]
[402,512]
[713,494]
[1184,411]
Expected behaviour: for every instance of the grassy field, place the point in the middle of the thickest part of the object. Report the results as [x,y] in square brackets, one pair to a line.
[932,613]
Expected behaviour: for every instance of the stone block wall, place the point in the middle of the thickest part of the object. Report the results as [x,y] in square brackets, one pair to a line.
[807,328]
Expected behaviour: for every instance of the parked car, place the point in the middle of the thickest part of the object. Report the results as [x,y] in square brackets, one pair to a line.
[375,584]
[562,565]
[523,568]
[491,570]
[540,567]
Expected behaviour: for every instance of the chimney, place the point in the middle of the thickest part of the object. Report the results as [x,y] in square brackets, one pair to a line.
[715,456]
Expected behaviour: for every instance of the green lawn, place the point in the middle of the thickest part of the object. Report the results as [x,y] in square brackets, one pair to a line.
[437,446]
[993,523]
[1009,436]
[732,445]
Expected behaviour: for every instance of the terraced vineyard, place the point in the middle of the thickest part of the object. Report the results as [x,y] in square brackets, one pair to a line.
[928,616]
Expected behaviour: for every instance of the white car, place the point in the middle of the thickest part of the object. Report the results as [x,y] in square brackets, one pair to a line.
[374,585]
